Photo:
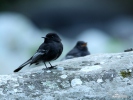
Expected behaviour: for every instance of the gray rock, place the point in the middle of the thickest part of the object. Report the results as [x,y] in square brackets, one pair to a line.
[94,77]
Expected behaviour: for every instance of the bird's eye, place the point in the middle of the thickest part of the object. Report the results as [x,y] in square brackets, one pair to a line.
[52,36]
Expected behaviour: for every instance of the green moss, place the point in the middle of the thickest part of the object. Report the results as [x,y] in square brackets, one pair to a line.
[125,74]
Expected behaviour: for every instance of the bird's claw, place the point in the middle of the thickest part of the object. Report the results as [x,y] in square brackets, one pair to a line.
[52,67]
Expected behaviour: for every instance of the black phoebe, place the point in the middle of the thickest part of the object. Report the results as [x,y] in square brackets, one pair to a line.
[79,50]
[49,50]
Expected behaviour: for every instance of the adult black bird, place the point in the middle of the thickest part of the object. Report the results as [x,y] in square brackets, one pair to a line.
[79,50]
[49,50]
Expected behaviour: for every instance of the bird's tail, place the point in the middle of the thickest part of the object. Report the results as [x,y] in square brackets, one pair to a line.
[21,66]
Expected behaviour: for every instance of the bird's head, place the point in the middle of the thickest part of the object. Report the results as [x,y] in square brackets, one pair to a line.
[81,45]
[52,37]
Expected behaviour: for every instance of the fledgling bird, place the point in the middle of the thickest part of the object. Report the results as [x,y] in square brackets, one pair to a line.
[79,50]
[49,50]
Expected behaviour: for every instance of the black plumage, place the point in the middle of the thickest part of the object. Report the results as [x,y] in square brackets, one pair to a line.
[79,50]
[49,50]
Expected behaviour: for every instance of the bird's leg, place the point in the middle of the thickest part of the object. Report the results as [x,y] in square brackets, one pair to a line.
[45,66]
[51,67]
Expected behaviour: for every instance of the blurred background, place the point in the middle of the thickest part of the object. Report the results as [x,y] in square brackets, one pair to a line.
[106,25]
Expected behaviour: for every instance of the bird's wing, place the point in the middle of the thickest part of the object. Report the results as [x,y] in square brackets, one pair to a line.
[43,49]
[73,53]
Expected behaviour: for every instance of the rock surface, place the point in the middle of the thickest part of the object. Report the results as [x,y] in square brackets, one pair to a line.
[94,77]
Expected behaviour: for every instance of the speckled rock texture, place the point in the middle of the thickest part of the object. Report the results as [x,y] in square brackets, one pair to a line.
[94,77]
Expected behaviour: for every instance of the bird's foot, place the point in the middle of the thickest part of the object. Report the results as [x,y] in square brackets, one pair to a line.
[48,68]
[52,67]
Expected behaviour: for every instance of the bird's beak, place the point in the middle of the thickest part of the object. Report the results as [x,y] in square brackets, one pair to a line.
[43,37]
[84,45]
